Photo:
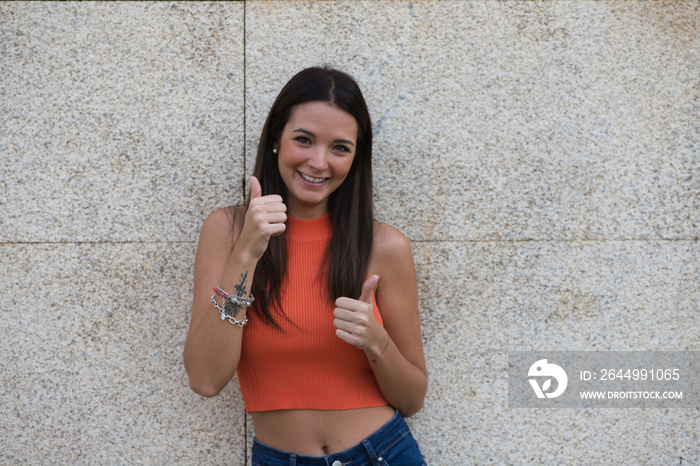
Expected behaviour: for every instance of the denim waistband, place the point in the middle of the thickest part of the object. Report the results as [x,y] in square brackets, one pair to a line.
[368,451]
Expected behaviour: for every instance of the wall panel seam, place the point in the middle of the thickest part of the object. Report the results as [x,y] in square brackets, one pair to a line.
[245,171]
[40,243]
[416,241]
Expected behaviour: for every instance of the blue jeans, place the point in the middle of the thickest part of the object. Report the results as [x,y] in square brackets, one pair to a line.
[391,445]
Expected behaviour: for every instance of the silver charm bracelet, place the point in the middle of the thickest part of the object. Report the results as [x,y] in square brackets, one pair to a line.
[237,300]
[226,315]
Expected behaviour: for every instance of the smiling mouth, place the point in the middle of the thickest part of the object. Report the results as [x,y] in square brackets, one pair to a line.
[311,179]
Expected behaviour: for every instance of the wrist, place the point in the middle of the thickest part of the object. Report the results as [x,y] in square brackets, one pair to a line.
[243,256]
[380,347]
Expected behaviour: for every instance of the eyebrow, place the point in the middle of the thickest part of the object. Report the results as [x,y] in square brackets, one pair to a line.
[305,131]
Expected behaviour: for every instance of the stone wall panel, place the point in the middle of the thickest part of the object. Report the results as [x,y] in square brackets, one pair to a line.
[122,121]
[507,121]
[92,369]
[481,300]
[542,157]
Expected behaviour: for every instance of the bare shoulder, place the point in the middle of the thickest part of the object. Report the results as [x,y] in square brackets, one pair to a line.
[391,252]
[223,225]
[217,238]
[397,292]
[389,242]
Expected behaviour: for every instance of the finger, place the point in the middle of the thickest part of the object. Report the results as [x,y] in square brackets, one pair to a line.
[368,288]
[352,305]
[277,229]
[347,337]
[346,314]
[271,203]
[351,335]
[276,217]
[255,188]
[344,325]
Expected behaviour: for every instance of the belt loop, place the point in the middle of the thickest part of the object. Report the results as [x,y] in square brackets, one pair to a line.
[370,452]
[292,459]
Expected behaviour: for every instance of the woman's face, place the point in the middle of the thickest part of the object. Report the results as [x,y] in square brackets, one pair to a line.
[316,151]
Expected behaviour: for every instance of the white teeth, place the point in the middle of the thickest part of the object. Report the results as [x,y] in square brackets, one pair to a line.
[311,178]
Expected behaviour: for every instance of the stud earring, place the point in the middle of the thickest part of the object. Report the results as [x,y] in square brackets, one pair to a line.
[274,151]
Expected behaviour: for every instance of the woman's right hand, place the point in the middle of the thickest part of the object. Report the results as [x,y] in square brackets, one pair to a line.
[213,348]
[265,218]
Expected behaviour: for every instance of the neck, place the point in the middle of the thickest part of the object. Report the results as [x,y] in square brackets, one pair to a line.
[307,212]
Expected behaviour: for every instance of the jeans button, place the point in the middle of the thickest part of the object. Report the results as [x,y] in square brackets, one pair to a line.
[337,463]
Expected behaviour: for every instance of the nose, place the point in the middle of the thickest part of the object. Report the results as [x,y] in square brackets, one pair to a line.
[319,159]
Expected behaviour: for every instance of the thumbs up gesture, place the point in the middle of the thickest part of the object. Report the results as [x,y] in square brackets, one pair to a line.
[354,318]
[265,218]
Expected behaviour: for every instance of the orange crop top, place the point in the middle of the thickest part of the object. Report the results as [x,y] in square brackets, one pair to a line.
[307,366]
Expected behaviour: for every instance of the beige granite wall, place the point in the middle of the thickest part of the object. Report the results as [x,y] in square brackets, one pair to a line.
[542,157]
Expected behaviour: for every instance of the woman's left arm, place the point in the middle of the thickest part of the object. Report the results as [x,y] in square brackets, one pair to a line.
[394,351]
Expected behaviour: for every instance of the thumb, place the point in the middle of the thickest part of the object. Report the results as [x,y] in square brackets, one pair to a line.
[255,189]
[369,287]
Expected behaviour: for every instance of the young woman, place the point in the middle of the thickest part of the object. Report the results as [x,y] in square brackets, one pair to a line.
[326,338]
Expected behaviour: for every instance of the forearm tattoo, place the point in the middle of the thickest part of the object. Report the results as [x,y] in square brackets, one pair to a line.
[240,288]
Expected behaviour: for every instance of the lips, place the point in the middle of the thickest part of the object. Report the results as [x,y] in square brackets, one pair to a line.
[311,179]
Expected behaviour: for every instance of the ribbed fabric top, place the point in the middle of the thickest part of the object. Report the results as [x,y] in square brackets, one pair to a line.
[306,366]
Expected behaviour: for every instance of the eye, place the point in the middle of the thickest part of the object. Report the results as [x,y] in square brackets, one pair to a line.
[341,148]
[302,139]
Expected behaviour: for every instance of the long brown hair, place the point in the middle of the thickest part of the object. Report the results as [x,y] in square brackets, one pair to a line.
[350,206]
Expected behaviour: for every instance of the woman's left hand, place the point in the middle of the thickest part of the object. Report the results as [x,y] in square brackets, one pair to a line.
[354,318]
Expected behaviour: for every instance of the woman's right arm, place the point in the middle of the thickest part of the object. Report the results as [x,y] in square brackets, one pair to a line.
[226,257]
